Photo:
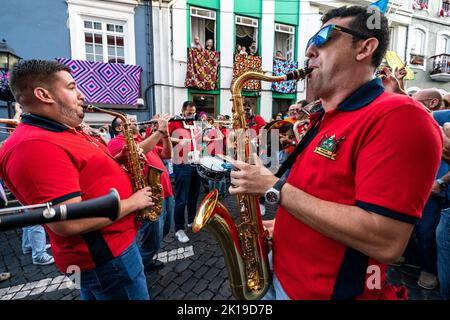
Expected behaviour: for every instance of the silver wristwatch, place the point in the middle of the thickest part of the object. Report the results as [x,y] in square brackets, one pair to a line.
[272,195]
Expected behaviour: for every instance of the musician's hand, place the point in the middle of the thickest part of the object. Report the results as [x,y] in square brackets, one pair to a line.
[400,73]
[122,156]
[141,153]
[251,179]
[163,120]
[142,198]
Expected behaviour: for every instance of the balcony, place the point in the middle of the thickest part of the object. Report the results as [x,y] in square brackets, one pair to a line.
[441,67]
[445,9]
[420,4]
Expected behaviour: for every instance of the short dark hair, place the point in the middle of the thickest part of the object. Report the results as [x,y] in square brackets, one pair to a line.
[187,104]
[29,74]
[361,15]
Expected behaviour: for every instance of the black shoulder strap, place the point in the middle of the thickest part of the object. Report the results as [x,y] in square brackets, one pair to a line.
[309,136]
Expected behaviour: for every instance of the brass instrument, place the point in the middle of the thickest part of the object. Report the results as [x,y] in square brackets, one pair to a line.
[243,245]
[304,119]
[136,168]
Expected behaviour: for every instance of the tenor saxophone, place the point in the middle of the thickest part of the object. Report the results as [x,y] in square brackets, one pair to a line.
[243,245]
[136,168]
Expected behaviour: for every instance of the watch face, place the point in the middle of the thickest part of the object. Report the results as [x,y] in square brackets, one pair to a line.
[272,197]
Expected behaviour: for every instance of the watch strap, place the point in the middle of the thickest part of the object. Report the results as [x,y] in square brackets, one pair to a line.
[279,184]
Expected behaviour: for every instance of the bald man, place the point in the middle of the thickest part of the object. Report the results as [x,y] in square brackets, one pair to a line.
[430,98]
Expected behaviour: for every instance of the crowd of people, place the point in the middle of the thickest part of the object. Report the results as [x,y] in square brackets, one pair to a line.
[362,180]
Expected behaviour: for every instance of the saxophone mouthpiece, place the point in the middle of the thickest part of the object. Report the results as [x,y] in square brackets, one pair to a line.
[298,74]
[88,107]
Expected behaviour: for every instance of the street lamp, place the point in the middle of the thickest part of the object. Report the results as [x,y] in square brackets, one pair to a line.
[8,58]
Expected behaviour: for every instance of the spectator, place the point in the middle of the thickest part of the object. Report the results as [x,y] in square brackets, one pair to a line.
[244,51]
[253,49]
[196,44]
[279,55]
[293,111]
[279,116]
[238,49]
[430,98]
[209,45]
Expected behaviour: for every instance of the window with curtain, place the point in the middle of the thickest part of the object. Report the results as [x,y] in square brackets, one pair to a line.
[246,33]
[443,44]
[203,25]
[285,40]
[418,47]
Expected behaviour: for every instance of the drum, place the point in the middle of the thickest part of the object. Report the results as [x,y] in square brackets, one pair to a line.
[212,168]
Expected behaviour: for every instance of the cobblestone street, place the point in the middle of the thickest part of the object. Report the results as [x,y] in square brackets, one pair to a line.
[193,271]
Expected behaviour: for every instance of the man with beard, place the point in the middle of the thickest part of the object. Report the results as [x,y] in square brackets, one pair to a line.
[49,158]
[351,198]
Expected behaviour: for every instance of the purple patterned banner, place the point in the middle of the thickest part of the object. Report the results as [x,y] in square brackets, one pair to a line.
[281,67]
[113,83]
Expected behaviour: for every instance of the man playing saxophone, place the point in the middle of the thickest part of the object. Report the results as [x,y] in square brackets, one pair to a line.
[151,232]
[48,158]
[350,200]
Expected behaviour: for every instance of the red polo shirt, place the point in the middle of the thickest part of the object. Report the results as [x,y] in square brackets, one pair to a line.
[178,131]
[116,144]
[44,161]
[386,150]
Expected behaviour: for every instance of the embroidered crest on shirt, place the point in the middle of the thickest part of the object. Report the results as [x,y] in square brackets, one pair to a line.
[328,146]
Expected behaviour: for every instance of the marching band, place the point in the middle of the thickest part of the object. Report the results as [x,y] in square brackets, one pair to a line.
[332,169]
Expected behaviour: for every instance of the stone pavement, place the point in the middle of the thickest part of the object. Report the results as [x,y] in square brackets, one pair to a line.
[193,271]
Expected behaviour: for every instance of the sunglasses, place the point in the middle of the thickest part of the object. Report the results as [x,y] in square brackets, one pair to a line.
[323,35]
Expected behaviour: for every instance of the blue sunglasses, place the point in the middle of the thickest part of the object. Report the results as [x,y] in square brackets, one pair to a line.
[323,35]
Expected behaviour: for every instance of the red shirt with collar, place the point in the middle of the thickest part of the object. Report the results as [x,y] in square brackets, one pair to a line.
[116,144]
[178,131]
[376,166]
[39,165]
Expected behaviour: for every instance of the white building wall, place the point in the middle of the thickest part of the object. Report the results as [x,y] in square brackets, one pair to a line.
[179,46]
[267,30]
[226,54]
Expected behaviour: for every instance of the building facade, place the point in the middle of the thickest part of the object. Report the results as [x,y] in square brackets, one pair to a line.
[272,25]
[428,51]
[104,31]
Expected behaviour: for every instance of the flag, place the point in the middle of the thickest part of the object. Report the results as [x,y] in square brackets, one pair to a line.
[381,4]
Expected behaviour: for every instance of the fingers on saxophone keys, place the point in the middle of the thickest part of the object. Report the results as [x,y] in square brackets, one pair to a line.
[236,190]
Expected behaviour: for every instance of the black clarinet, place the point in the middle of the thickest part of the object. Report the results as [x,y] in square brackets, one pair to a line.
[107,206]
[173,119]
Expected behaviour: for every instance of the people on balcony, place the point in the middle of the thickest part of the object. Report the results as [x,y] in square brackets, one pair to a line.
[279,55]
[253,49]
[209,45]
[244,51]
[196,44]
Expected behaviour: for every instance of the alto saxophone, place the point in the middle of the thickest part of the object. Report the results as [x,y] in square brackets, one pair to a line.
[136,168]
[243,245]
